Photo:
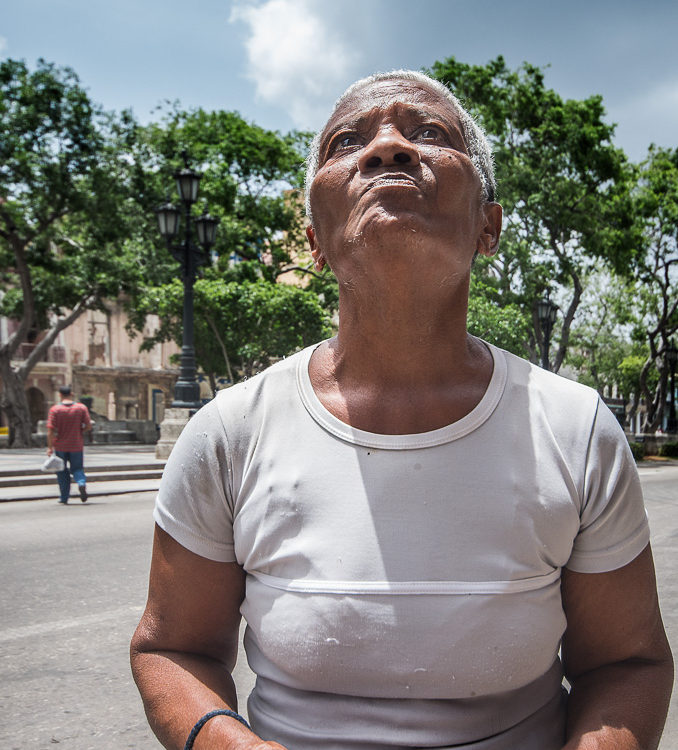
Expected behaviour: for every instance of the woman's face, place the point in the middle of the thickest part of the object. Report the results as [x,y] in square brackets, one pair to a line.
[394,173]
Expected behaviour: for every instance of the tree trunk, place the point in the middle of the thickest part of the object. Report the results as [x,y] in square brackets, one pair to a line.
[635,403]
[220,341]
[14,403]
[13,399]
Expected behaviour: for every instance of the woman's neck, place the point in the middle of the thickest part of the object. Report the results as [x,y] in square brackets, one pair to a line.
[401,365]
[388,333]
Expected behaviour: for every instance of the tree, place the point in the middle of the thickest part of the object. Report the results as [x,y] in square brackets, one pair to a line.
[505,326]
[67,213]
[252,181]
[655,276]
[633,315]
[240,326]
[601,336]
[564,186]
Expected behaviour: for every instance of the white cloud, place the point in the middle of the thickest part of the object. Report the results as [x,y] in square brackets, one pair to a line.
[294,59]
[3,44]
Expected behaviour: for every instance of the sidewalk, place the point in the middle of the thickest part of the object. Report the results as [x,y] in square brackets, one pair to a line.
[111,470]
[95,455]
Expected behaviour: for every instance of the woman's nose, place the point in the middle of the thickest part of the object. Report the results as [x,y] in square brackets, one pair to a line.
[389,147]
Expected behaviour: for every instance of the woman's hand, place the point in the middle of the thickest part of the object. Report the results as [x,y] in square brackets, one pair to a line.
[214,739]
[225,733]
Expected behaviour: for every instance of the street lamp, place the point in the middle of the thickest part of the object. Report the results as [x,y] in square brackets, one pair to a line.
[546,313]
[190,256]
[672,358]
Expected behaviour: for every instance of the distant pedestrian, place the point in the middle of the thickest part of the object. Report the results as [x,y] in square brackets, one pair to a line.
[66,424]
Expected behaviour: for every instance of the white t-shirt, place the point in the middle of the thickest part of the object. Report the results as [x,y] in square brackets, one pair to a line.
[403,591]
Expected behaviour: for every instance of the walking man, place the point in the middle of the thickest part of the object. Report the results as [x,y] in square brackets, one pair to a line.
[66,424]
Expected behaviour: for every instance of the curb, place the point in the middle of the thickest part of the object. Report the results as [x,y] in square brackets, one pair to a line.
[55,495]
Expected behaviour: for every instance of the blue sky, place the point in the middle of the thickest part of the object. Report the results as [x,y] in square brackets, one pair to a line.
[281,63]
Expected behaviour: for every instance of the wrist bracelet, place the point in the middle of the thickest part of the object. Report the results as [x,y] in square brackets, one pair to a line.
[203,720]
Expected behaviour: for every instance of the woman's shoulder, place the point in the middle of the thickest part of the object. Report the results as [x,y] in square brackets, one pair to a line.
[272,388]
[524,373]
[562,401]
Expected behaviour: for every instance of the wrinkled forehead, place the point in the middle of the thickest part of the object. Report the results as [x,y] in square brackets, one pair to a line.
[388,94]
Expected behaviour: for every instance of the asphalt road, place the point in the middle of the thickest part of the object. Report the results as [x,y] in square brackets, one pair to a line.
[73,588]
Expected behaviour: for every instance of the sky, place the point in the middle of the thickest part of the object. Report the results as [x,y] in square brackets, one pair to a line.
[282,63]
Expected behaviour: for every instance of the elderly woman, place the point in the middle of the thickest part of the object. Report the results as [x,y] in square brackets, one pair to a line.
[414,524]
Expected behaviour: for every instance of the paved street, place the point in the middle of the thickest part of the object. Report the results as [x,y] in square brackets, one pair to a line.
[73,588]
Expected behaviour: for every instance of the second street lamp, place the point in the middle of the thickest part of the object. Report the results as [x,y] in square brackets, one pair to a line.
[546,313]
[206,227]
[190,256]
[672,358]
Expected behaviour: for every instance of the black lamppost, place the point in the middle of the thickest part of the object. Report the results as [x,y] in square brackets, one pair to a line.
[190,256]
[672,358]
[546,313]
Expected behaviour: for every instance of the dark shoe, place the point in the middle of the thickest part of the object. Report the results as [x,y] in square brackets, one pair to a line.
[63,502]
[82,488]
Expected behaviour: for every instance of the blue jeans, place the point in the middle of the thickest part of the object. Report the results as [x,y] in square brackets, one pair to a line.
[72,465]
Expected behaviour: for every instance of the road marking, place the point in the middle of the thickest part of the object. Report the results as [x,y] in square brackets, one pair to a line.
[45,628]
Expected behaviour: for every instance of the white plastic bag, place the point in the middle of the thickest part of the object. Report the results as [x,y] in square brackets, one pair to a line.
[53,463]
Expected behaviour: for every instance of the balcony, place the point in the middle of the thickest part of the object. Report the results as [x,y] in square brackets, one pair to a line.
[53,353]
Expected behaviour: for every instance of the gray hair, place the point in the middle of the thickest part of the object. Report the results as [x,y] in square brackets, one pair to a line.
[476,142]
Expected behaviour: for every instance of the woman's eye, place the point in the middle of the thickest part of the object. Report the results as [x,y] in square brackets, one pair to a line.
[346,141]
[343,142]
[428,134]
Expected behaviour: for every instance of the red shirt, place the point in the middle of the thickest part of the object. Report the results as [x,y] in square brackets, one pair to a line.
[68,422]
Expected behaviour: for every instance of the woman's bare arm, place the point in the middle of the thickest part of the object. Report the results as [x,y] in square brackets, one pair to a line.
[186,645]
[616,658]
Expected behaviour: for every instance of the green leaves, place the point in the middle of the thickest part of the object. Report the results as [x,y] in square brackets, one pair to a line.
[73,222]
[241,326]
[68,208]
[251,178]
[50,136]
[564,186]
[504,325]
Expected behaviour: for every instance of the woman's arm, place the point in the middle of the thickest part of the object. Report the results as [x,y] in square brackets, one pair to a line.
[616,658]
[185,648]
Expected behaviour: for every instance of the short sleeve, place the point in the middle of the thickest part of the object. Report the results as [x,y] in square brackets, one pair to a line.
[613,527]
[193,504]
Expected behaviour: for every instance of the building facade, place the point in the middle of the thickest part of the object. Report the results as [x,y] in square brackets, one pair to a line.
[101,360]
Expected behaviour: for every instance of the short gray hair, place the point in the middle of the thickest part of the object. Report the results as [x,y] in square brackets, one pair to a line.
[475,139]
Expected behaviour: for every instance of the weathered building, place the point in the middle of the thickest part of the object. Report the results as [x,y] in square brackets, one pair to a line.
[99,358]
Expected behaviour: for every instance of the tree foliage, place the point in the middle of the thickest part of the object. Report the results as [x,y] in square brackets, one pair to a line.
[564,186]
[504,326]
[78,187]
[69,213]
[630,316]
[240,326]
[251,181]
[654,276]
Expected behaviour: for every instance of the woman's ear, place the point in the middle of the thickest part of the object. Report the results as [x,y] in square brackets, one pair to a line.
[488,240]
[316,252]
